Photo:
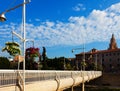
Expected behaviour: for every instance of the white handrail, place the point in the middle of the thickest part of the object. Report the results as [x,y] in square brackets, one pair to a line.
[8,77]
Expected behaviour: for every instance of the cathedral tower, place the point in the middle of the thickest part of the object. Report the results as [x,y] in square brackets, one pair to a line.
[113,44]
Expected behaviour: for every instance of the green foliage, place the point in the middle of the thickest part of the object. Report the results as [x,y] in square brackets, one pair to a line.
[59,63]
[4,63]
[31,54]
[69,67]
[12,48]
[44,59]
[93,66]
[90,66]
[83,63]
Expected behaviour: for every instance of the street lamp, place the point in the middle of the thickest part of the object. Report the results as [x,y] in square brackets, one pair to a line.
[3,18]
[95,61]
[31,41]
[2,15]
[64,63]
[76,63]
[83,59]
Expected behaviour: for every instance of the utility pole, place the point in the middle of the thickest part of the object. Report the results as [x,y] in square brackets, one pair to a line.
[23,38]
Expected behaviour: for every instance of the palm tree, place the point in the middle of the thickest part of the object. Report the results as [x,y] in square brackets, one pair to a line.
[12,48]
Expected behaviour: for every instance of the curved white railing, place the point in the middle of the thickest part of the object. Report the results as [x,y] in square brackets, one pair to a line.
[9,77]
[61,79]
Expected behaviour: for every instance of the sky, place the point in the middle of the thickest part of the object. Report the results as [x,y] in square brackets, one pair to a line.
[62,25]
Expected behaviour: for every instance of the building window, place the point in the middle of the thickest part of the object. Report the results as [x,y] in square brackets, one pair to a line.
[102,55]
[97,60]
[110,54]
[106,54]
[118,53]
[110,66]
[118,60]
[98,55]
[118,65]
[103,65]
[114,54]
[109,60]
[103,60]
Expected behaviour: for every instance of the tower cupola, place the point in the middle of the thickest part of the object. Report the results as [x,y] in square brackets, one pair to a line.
[113,44]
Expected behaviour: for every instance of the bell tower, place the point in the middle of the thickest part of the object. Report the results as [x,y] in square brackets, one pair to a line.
[113,44]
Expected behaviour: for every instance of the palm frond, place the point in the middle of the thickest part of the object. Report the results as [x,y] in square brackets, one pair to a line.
[12,44]
[12,48]
[4,49]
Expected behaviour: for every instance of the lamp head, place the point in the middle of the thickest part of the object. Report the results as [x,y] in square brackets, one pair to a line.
[2,17]
[72,50]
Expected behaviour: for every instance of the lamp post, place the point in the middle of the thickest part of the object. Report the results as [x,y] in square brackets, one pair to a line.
[3,18]
[96,62]
[2,15]
[64,63]
[83,59]
[31,41]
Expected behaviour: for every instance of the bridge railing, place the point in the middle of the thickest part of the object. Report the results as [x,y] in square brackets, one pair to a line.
[9,77]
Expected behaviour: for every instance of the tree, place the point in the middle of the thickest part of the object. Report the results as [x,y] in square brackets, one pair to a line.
[60,63]
[83,65]
[12,48]
[44,58]
[31,54]
[4,63]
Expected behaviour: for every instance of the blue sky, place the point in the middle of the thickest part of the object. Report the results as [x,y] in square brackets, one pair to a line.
[62,25]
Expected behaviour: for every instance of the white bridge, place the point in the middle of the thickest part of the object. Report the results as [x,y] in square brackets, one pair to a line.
[44,80]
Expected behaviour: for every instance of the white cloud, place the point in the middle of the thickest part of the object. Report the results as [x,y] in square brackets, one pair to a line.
[79,7]
[37,19]
[98,26]
[114,8]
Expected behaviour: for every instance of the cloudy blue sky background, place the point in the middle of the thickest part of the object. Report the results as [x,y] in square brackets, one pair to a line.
[62,25]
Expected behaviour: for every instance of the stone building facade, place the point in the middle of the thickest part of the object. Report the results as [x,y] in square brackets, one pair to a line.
[108,60]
